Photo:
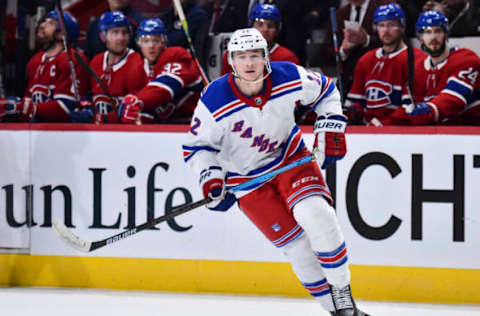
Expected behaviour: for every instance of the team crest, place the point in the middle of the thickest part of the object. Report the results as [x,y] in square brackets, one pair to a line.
[40,93]
[258,100]
[378,93]
[276,228]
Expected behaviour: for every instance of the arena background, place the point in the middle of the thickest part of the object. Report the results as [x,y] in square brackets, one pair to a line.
[407,200]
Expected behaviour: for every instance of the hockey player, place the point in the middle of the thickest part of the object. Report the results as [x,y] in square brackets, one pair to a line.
[174,81]
[380,75]
[119,67]
[50,96]
[243,126]
[447,84]
[267,19]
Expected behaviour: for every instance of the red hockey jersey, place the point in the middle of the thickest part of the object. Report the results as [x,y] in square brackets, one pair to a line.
[124,77]
[451,88]
[277,53]
[50,86]
[173,87]
[379,81]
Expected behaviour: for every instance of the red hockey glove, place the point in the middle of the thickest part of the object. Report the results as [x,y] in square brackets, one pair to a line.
[422,114]
[105,109]
[27,109]
[163,112]
[329,143]
[84,113]
[129,110]
[354,112]
[8,106]
[24,108]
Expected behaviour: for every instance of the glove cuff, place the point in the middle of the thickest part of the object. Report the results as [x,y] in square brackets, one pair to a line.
[210,179]
[336,123]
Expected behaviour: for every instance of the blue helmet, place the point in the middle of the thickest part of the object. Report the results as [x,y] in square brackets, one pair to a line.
[389,12]
[431,18]
[71,24]
[109,20]
[151,27]
[266,12]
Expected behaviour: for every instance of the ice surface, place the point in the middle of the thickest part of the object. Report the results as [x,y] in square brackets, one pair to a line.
[81,302]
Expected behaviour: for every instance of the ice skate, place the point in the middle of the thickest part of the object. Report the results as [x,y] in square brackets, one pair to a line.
[343,302]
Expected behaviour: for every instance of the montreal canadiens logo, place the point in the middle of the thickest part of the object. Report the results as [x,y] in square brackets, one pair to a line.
[40,93]
[378,93]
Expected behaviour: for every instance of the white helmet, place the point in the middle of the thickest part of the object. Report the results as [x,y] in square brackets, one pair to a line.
[247,39]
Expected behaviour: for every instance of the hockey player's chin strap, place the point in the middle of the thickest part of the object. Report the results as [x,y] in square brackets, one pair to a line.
[236,75]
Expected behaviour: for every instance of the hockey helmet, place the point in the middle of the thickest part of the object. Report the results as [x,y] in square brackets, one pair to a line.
[247,39]
[266,12]
[151,27]
[109,20]
[71,24]
[390,11]
[429,19]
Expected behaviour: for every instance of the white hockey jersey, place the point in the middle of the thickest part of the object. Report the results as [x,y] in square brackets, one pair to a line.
[250,136]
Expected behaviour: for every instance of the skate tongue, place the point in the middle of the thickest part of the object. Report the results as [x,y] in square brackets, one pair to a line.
[343,301]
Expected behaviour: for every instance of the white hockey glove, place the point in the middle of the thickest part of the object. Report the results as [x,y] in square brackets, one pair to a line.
[329,145]
[213,185]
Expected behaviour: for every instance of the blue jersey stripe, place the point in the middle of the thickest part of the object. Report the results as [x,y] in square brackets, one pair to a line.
[71,105]
[327,93]
[195,149]
[228,113]
[285,92]
[171,82]
[462,89]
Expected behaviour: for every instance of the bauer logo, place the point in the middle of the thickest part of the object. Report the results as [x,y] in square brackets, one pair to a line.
[124,235]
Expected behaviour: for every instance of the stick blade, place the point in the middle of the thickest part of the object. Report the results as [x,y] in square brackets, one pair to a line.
[70,238]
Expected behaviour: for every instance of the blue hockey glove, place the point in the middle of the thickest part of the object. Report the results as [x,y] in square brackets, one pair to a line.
[422,114]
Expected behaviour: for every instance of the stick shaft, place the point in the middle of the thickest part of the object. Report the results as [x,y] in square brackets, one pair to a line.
[272,174]
[66,44]
[338,62]
[411,72]
[92,73]
[177,211]
[183,20]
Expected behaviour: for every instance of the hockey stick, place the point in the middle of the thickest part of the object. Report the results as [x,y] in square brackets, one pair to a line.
[66,44]
[92,73]
[100,82]
[87,246]
[183,20]
[411,73]
[102,85]
[2,90]
[338,62]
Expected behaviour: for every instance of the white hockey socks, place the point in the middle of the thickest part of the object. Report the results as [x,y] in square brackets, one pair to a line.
[305,265]
[319,221]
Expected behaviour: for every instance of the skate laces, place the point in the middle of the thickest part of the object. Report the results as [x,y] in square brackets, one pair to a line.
[342,298]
